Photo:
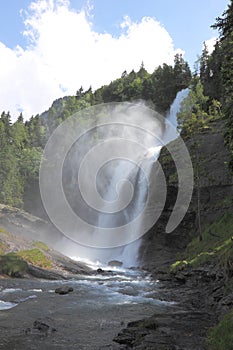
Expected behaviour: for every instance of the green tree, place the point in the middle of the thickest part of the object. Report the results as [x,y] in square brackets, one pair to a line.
[19,133]
[204,68]
[11,184]
[214,88]
[182,73]
[164,90]
[37,130]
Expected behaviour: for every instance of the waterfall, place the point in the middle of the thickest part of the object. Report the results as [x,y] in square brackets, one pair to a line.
[129,255]
[122,187]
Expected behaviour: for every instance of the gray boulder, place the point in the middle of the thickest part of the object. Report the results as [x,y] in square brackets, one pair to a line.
[64,290]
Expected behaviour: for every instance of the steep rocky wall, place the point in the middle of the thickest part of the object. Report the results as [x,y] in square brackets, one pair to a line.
[158,249]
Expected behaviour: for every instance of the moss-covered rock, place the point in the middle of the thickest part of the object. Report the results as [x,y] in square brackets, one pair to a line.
[36,257]
[13,265]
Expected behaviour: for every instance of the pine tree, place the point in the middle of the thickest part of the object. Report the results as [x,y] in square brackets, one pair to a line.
[11,183]
[182,73]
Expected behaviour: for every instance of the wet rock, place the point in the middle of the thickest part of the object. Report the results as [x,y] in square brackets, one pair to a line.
[39,327]
[44,274]
[64,290]
[99,270]
[115,263]
[228,300]
[69,265]
[224,305]
[42,327]
[180,277]
[129,337]
[169,330]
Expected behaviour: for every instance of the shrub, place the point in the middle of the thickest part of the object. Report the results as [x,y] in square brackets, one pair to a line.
[12,265]
[221,336]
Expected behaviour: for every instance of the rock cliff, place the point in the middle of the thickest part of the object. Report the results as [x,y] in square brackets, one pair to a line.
[216,193]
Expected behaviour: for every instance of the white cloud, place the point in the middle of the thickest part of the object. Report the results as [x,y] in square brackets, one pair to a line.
[210,43]
[64,52]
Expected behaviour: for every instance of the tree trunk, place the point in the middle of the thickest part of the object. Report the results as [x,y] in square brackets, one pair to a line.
[198,194]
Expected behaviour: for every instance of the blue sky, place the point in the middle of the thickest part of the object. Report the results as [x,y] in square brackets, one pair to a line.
[188,22]
[105,25]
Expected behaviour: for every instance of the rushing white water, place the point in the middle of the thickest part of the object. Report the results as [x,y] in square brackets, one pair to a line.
[4,305]
[112,188]
[120,286]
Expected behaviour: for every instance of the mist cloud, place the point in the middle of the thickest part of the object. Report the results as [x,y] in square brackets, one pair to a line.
[65,52]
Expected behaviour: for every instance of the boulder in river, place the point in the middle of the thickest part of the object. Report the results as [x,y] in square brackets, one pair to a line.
[64,290]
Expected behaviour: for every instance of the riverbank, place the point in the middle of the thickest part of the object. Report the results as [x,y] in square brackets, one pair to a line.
[201,283]
[23,255]
[184,327]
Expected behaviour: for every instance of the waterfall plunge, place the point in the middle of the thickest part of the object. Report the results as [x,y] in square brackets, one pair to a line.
[118,182]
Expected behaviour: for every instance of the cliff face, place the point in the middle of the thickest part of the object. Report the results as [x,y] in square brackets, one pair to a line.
[216,193]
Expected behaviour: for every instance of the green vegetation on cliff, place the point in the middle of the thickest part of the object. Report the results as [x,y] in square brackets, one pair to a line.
[217,243]
[221,336]
[215,251]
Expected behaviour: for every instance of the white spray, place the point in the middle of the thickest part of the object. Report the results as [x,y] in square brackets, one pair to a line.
[117,183]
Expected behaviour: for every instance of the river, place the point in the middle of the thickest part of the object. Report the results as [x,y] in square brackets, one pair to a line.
[87,318]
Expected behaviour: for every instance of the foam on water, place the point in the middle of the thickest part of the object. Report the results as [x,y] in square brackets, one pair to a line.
[5,305]
[11,290]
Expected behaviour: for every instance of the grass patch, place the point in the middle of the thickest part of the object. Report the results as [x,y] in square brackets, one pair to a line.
[35,257]
[179,265]
[217,243]
[2,230]
[220,337]
[12,265]
[41,245]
